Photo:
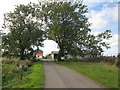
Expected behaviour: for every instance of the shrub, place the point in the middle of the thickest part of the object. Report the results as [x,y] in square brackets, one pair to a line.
[110,60]
[29,63]
[14,68]
[8,71]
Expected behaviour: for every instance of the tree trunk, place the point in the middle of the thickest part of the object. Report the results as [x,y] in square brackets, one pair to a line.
[22,56]
[59,56]
[61,53]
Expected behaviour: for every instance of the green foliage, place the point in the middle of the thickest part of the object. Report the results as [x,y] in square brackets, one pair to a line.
[103,73]
[32,78]
[118,61]
[69,27]
[118,55]
[8,72]
[11,68]
[16,62]
[64,22]
[41,59]
[109,60]
[24,32]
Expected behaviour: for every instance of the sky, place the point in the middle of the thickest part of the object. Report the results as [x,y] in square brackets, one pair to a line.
[102,14]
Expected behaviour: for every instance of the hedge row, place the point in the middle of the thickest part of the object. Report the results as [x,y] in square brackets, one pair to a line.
[110,60]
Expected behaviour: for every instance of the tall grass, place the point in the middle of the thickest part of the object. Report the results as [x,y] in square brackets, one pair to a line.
[15,72]
[33,78]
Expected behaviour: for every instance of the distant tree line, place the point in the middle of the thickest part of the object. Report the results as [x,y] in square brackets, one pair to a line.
[64,22]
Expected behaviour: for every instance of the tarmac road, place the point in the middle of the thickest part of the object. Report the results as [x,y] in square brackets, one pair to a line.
[57,76]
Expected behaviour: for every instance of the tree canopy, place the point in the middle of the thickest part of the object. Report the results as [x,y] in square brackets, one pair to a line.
[69,27]
[24,32]
[66,24]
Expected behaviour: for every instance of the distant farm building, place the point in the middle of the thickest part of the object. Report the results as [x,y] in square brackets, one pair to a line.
[52,55]
[39,54]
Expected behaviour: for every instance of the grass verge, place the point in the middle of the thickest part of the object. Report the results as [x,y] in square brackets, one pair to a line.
[103,73]
[32,78]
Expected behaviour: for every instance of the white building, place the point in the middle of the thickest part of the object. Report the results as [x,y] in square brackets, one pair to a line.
[39,54]
[54,54]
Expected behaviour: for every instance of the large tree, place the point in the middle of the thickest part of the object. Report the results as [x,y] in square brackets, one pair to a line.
[24,31]
[66,24]
[69,27]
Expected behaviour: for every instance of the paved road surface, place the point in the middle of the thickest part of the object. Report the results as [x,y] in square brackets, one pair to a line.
[57,76]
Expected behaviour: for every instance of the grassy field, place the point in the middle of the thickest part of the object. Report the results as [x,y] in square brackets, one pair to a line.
[32,78]
[103,73]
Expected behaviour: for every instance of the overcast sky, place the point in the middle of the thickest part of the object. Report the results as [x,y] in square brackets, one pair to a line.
[102,15]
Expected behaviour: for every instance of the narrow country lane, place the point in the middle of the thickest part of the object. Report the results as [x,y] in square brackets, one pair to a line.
[57,76]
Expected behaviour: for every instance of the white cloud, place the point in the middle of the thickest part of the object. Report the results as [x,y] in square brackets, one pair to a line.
[91,3]
[113,45]
[49,45]
[112,51]
[113,41]
[114,13]
[101,19]
[95,33]
[101,1]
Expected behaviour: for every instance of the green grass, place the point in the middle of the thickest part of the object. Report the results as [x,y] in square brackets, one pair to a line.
[41,59]
[33,78]
[103,73]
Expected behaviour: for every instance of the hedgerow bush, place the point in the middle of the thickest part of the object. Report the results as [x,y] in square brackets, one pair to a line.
[12,67]
[110,60]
